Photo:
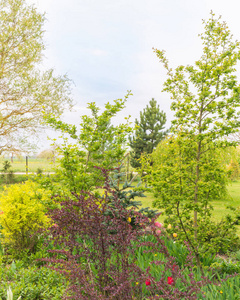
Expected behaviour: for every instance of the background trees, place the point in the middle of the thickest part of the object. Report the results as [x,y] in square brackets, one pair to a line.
[25,91]
[148,133]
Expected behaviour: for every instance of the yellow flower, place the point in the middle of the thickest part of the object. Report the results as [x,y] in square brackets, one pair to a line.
[129,220]
[169,226]
[137,283]
[175,235]
[221,292]
[155,254]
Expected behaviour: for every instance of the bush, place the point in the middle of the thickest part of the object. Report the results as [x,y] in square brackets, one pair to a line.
[7,174]
[105,257]
[23,208]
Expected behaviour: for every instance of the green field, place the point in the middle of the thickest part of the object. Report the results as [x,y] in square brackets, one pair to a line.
[19,164]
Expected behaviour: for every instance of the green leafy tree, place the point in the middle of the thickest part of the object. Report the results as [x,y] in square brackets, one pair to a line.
[206,101]
[97,143]
[25,91]
[173,180]
[148,133]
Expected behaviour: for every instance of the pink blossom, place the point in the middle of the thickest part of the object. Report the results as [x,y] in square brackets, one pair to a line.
[159,225]
[158,231]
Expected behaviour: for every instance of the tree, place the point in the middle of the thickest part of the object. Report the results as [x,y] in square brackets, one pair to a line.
[173,179]
[148,133]
[25,91]
[206,98]
[49,154]
[96,143]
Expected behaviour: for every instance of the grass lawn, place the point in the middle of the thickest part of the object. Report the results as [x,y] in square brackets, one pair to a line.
[219,205]
[19,165]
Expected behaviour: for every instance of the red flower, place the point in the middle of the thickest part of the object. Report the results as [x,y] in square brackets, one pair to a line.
[170,280]
[173,267]
[148,282]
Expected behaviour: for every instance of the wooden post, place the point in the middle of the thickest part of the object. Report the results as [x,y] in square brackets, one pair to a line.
[26,165]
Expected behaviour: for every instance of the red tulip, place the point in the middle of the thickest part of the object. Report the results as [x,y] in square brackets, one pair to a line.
[148,282]
[170,280]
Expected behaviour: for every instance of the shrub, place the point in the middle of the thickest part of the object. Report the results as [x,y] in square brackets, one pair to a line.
[105,258]
[23,208]
[39,171]
[7,173]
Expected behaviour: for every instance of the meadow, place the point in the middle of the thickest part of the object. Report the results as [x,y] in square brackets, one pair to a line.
[18,164]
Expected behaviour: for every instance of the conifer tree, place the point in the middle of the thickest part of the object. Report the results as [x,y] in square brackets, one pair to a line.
[148,133]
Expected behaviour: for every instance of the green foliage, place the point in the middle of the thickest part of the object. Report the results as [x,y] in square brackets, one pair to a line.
[98,143]
[7,173]
[206,96]
[39,171]
[148,132]
[31,283]
[233,170]
[223,266]
[206,101]
[226,290]
[174,181]
[23,212]
[10,295]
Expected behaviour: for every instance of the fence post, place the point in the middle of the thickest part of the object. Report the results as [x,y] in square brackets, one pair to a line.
[26,165]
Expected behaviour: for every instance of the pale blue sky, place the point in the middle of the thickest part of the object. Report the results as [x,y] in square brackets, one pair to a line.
[105,46]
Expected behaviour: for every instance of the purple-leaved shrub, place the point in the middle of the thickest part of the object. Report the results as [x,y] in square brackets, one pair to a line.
[99,252]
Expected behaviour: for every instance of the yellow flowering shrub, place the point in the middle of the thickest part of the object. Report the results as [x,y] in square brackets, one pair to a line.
[22,214]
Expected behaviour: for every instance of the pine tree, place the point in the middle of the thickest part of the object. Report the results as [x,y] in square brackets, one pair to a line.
[149,132]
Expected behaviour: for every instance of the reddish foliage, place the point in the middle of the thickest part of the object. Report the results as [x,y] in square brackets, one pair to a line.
[98,252]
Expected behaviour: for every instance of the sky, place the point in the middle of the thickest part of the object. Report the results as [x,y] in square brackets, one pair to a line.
[105,47]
